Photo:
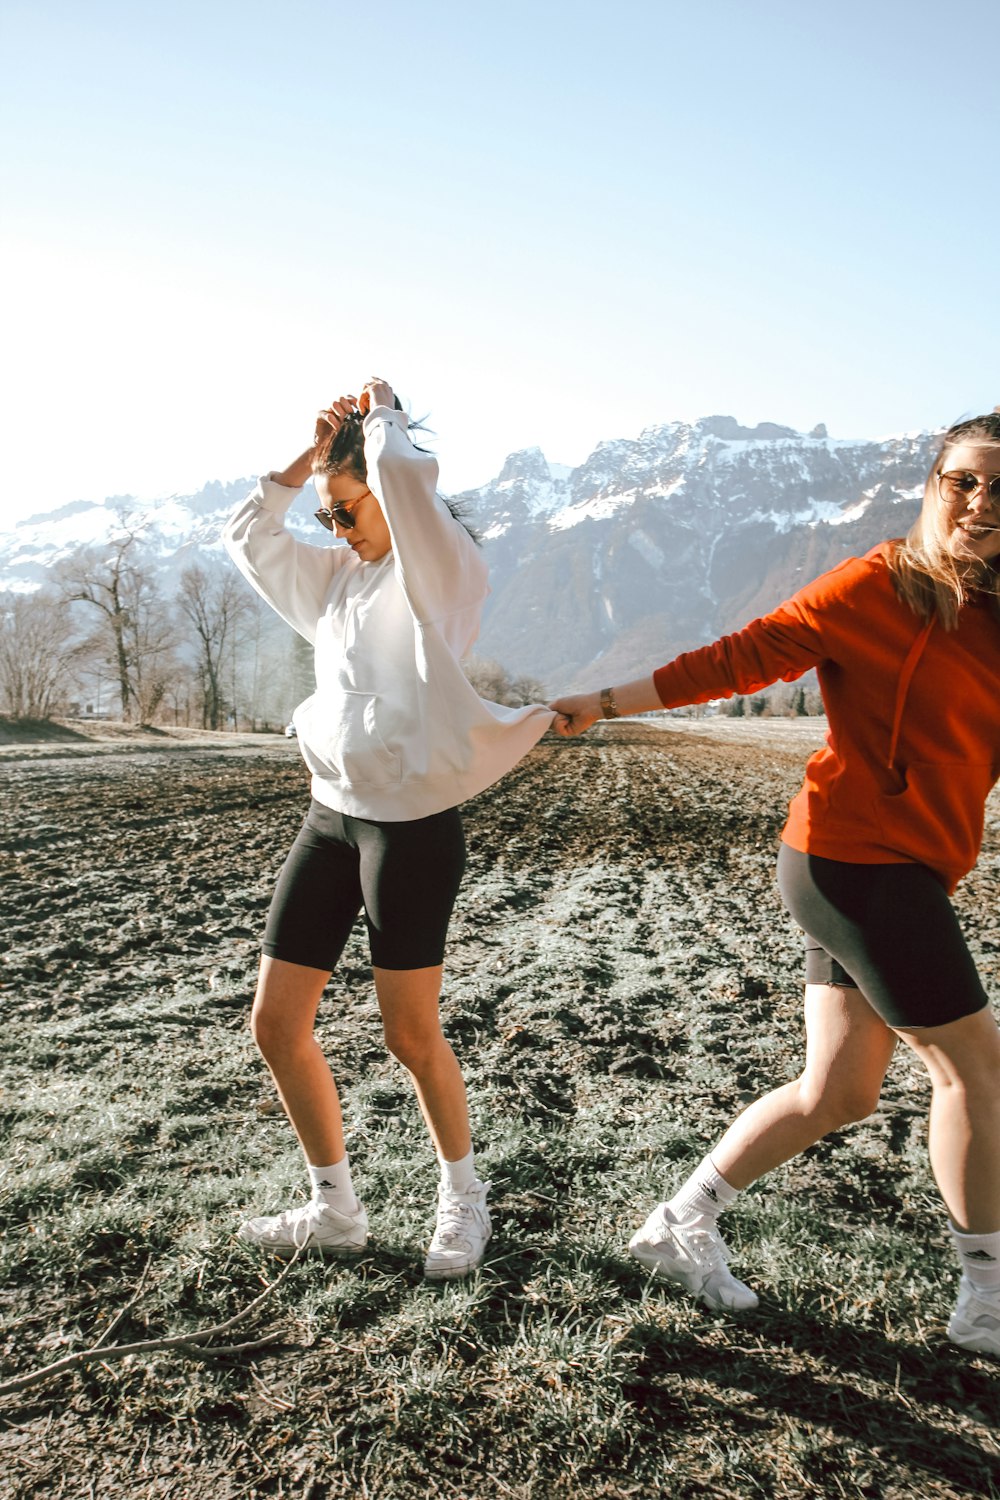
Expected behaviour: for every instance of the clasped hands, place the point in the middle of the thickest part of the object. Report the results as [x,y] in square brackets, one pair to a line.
[575,714]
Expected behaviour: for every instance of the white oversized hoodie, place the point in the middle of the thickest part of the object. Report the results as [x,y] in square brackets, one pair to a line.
[394,731]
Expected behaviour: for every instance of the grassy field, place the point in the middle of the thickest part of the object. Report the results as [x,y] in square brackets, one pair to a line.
[621,979]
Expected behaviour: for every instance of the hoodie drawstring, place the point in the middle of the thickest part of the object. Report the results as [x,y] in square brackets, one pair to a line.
[909,667]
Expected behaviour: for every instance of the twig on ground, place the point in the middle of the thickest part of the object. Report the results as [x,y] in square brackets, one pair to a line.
[177,1341]
[120,1317]
[278,1403]
[219,1350]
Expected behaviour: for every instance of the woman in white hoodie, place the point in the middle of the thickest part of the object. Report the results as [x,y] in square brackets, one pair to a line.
[395,738]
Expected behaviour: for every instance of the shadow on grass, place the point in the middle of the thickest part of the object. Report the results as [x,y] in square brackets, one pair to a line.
[563,1341]
[850,1403]
[815,1374]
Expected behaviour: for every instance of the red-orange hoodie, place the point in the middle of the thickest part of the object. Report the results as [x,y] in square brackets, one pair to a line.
[914,711]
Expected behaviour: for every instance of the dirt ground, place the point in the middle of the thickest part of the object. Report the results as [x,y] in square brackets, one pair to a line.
[154,863]
[48,738]
[621,976]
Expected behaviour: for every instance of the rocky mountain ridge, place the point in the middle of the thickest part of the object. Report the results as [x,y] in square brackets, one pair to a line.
[663,543]
[653,545]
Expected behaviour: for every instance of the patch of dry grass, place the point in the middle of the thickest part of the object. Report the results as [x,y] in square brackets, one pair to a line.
[621,979]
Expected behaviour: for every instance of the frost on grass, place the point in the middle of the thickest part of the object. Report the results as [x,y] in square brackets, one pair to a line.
[621,979]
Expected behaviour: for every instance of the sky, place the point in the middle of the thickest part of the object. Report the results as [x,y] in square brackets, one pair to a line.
[545,224]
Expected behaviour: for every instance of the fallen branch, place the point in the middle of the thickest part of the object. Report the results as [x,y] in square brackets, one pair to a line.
[104,1353]
[120,1317]
[219,1351]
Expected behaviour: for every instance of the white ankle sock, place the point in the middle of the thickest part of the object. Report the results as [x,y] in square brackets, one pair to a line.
[980,1258]
[459,1176]
[705,1194]
[333,1186]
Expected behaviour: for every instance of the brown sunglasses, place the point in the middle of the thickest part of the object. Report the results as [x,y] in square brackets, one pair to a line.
[339,514]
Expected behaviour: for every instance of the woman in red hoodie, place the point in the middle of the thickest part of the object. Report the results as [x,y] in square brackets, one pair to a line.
[906,645]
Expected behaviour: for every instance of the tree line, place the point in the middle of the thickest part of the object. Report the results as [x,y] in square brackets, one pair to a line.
[784,700]
[111,635]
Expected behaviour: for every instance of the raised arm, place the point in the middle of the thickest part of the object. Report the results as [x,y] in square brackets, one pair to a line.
[292,576]
[439,565]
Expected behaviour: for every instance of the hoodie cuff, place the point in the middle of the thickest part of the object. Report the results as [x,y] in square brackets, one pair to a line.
[385,414]
[274,496]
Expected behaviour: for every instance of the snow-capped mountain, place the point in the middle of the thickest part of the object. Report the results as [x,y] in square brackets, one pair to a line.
[656,545]
[650,547]
[174,530]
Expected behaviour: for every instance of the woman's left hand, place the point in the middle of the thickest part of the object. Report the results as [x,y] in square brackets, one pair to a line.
[376,392]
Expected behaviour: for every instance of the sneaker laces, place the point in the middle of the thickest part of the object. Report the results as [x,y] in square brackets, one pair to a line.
[455,1216]
[299,1223]
[985,1314]
[708,1250]
[453,1221]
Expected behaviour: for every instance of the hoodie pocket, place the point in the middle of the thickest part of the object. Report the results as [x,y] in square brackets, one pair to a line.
[937,815]
[340,739]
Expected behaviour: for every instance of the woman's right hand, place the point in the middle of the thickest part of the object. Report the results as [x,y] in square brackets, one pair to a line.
[574,715]
[330,418]
[327,422]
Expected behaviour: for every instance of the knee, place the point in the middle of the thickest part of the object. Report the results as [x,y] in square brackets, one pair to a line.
[974,1089]
[413,1047]
[276,1040]
[836,1104]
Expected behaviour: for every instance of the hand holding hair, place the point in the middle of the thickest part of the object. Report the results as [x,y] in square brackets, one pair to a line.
[330,418]
[375,392]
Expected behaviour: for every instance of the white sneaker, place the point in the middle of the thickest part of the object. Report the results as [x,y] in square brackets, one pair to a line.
[692,1255]
[975,1323]
[315,1227]
[462,1233]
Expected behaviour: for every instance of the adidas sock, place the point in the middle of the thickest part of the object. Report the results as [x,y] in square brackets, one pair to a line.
[705,1194]
[333,1186]
[458,1176]
[980,1258]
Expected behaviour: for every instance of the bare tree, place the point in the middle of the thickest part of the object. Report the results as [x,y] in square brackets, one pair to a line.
[215,604]
[134,631]
[492,680]
[270,666]
[38,651]
[151,638]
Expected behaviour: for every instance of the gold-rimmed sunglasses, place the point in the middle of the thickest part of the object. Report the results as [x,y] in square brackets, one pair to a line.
[339,514]
[959,484]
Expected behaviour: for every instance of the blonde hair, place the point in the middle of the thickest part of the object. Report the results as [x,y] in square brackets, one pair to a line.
[928,577]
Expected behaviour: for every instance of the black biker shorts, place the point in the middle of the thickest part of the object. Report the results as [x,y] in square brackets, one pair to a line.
[405,876]
[889,931]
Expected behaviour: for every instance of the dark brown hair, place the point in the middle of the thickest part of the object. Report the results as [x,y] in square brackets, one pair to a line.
[344,453]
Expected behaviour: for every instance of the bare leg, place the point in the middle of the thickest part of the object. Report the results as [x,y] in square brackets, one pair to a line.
[408,999]
[282,1021]
[848,1047]
[963,1060]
